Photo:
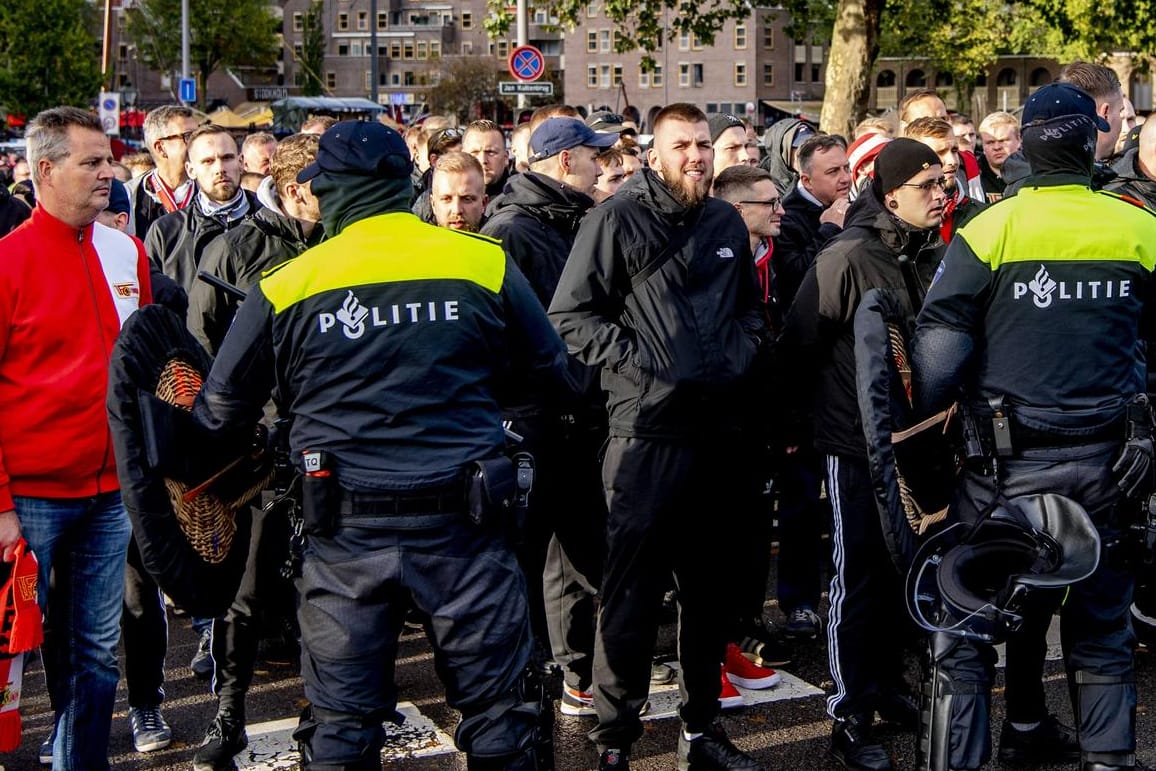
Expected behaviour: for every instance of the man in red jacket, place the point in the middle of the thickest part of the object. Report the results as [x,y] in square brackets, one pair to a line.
[67,284]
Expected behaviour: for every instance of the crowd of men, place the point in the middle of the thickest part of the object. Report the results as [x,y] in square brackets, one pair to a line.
[424,305]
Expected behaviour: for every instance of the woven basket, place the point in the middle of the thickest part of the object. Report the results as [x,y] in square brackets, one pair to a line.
[208,522]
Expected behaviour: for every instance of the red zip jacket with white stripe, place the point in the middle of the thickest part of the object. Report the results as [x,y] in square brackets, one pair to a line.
[64,295]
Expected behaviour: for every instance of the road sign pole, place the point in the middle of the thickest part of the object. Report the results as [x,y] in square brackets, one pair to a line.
[523,40]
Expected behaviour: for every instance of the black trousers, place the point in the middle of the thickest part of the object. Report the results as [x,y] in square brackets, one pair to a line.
[671,507]
[263,593]
[1095,632]
[565,538]
[803,518]
[868,627]
[145,633]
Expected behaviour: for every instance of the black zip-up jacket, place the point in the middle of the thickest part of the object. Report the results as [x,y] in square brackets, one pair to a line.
[1132,182]
[176,242]
[240,256]
[816,351]
[675,348]
[800,239]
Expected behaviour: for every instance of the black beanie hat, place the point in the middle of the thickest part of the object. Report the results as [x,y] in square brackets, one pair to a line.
[899,161]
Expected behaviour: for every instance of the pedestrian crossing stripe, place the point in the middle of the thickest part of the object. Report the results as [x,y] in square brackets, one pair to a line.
[271,746]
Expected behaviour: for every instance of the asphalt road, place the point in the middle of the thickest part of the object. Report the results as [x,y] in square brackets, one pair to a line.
[783,734]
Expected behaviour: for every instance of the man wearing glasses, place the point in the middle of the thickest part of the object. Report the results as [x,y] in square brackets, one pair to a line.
[891,241]
[167,188]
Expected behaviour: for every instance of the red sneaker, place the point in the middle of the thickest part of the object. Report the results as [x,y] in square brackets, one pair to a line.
[729,697]
[746,674]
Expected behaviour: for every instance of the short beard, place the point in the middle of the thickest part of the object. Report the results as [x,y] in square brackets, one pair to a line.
[685,191]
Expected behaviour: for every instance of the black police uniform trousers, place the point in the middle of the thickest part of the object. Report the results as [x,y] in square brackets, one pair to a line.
[355,588]
[1095,623]
[263,592]
[564,537]
[868,628]
[671,508]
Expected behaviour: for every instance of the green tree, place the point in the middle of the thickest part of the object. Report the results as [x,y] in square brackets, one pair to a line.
[466,83]
[222,33]
[312,60]
[48,55]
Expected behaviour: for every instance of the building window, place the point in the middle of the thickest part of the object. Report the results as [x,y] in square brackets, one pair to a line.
[409,79]
[684,41]
[298,78]
[697,75]
[799,68]
[617,75]
[503,48]
[768,74]
[604,40]
[695,43]
[395,79]
[407,49]
[604,76]
[422,49]
[467,47]
[343,22]
[815,75]
[591,10]
[643,78]
[656,76]
[298,21]
[368,80]
[740,36]
[616,37]
[591,76]
[768,35]
[343,49]
[298,50]
[435,49]
[467,19]
[591,42]
[362,20]
[740,74]
[331,80]
[382,20]
[683,74]
[395,49]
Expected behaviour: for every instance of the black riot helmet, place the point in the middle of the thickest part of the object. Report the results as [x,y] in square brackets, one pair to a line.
[970,580]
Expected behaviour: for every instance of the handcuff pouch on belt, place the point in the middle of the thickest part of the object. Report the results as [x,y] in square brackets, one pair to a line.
[498,491]
[320,493]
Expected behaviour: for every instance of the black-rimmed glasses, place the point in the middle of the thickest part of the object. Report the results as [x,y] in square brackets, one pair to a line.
[774,203]
[940,182]
[183,136]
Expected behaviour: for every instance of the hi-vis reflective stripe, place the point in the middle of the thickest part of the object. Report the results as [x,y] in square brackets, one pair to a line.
[385,249]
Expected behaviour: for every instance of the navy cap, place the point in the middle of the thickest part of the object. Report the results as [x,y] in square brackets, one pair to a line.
[558,134]
[1056,100]
[118,197]
[361,149]
[720,123]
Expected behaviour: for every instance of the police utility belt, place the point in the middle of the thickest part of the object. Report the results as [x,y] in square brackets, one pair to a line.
[992,431]
[492,493]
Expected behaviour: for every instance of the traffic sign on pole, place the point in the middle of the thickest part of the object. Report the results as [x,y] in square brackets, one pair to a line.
[188,90]
[527,63]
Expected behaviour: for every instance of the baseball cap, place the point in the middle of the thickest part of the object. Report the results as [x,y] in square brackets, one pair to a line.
[607,123]
[1057,100]
[118,197]
[720,123]
[802,134]
[361,149]
[558,134]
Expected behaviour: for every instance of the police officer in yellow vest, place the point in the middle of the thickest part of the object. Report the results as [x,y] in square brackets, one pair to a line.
[1038,315]
[385,345]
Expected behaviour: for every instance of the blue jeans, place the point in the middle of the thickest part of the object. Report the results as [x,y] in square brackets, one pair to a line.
[85,541]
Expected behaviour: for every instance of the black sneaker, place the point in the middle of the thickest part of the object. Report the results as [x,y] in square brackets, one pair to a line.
[713,751]
[202,663]
[761,647]
[224,738]
[1049,742]
[853,745]
[614,760]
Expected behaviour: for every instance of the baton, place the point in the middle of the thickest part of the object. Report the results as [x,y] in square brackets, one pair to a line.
[222,284]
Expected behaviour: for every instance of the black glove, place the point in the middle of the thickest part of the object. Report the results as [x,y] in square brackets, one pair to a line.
[1133,469]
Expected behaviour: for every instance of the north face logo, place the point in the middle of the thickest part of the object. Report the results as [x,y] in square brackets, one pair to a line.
[725,253]
[1044,289]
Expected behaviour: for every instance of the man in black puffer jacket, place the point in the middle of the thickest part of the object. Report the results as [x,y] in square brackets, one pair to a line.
[536,220]
[891,241]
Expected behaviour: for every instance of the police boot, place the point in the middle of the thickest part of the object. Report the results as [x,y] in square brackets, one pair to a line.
[1110,761]
[1049,742]
[712,751]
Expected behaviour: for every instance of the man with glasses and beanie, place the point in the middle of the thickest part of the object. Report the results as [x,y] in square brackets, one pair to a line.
[384,345]
[1042,318]
[890,241]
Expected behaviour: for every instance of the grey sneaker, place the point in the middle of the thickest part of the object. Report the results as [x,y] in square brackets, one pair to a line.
[803,624]
[150,732]
[44,755]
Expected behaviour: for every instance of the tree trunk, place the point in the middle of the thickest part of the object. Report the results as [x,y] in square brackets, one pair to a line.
[854,46]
